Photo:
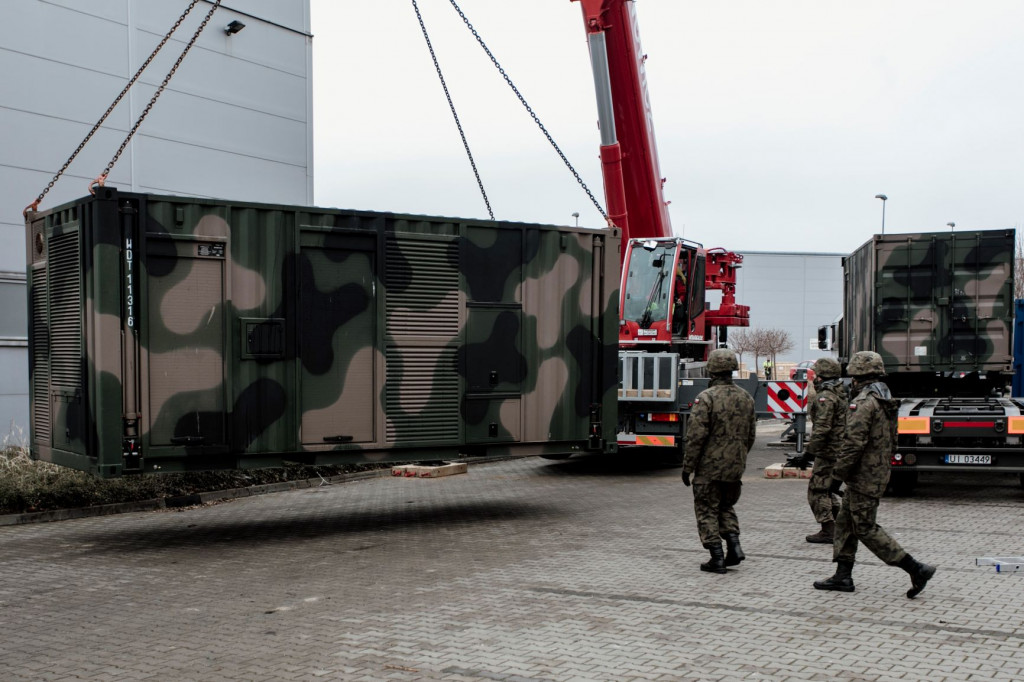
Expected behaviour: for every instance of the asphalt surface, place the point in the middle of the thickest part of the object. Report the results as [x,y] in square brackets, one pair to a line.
[519,571]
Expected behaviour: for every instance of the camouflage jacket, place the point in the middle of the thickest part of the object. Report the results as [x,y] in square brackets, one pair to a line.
[828,412]
[864,457]
[720,432]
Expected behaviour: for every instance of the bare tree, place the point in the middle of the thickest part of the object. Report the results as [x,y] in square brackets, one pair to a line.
[752,340]
[741,341]
[777,341]
[762,343]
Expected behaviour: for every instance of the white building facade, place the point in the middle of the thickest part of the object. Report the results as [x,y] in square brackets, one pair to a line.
[794,292]
[235,122]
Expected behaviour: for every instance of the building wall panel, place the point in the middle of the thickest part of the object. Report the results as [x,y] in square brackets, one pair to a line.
[795,292]
[234,122]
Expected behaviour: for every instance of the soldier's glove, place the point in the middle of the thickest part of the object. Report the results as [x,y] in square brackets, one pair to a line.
[834,488]
[801,461]
[686,478]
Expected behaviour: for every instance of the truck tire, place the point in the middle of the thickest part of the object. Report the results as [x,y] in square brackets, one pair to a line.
[673,456]
[902,483]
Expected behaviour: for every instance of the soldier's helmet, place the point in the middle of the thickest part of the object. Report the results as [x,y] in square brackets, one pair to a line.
[865,363]
[827,368]
[722,360]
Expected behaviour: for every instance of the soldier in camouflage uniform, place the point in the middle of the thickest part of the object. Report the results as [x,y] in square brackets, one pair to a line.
[828,413]
[863,464]
[719,435]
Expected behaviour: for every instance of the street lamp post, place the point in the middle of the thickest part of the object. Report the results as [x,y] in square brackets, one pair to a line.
[576,215]
[951,226]
[883,198]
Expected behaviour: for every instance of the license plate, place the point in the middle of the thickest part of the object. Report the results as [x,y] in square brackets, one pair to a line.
[968,459]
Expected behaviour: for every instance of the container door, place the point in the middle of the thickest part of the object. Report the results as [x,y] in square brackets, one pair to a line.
[337,332]
[496,364]
[184,321]
[912,288]
[981,300]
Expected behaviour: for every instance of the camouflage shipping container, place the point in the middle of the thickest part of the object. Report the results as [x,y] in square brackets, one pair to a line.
[171,334]
[937,302]
[938,307]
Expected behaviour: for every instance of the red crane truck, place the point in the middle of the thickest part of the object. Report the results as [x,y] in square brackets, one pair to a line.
[667,327]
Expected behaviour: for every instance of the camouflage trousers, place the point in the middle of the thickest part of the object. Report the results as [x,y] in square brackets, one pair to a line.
[856,522]
[713,504]
[824,505]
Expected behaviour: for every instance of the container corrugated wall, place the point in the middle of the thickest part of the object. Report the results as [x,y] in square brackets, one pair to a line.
[172,334]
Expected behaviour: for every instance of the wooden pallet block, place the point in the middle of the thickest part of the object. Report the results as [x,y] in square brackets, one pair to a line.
[421,471]
[782,471]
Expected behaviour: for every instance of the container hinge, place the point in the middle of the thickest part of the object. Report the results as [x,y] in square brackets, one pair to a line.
[131,453]
[594,439]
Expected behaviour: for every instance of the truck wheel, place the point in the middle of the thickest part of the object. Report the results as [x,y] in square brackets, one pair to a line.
[673,456]
[902,483]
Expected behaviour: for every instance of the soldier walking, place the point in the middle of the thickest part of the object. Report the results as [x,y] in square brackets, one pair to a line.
[863,464]
[828,414]
[719,435]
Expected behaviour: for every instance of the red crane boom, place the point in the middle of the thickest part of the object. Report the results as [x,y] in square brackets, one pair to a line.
[664,277]
[667,327]
[629,155]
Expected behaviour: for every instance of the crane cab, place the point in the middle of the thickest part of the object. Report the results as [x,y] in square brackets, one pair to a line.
[663,294]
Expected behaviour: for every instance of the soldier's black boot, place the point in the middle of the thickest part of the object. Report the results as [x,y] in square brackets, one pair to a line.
[716,564]
[824,536]
[733,552]
[842,581]
[920,574]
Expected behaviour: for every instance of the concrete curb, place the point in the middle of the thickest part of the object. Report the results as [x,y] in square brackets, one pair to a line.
[184,500]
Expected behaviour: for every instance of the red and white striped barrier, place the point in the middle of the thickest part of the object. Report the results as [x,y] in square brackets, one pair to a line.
[786,398]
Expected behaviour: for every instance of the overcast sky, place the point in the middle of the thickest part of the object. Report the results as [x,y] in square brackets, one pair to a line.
[777,122]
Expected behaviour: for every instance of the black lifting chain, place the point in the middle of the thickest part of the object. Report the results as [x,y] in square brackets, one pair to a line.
[536,119]
[451,105]
[159,91]
[35,204]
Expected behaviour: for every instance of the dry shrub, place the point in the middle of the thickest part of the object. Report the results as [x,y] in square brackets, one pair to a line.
[27,485]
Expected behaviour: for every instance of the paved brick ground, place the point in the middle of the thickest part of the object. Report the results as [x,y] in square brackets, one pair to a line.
[518,571]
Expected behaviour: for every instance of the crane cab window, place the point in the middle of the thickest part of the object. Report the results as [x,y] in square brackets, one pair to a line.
[649,284]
